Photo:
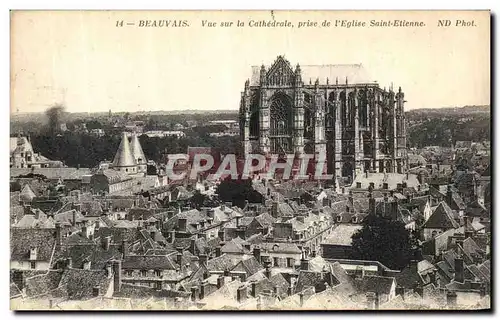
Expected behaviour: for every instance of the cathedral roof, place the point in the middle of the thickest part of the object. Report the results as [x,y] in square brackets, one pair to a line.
[137,152]
[355,74]
[124,157]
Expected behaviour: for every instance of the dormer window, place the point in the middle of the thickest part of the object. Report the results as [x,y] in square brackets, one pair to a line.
[358,185]
[33,254]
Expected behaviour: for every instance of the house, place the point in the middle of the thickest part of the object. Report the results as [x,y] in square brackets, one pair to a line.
[32,249]
[338,245]
[440,221]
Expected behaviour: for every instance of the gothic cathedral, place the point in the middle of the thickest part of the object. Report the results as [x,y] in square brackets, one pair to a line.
[340,112]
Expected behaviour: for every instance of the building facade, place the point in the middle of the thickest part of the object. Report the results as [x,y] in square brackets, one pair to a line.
[331,109]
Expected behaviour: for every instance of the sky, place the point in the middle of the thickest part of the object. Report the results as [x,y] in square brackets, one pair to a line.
[81,59]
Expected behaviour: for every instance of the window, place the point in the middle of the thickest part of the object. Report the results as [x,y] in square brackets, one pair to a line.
[158,273]
[358,185]
[144,273]
[33,264]
[276,262]
[289,262]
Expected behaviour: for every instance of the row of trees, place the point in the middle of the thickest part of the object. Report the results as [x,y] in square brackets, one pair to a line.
[77,149]
[445,132]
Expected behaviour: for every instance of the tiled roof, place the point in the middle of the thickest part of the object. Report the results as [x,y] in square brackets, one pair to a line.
[43,283]
[314,279]
[281,247]
[63,173]
[78,284]
[342,235]
[148,263]
[22,240]
[221,263]
[372,283]
[250,266]
[87,252]
[441,218]
[476,209]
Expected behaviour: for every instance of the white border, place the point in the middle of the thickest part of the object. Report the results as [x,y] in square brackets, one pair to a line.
[193,5]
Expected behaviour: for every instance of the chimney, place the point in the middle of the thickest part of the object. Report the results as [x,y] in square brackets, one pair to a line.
[301,299]
[371,204]
[117,275]
[179,259]
[289,291]
[256,253]
[124,248]
[217,251]
[220,281]
[203,289]
[194,293]
[203,259]
[351,199]
[152,233]
[69,263]
[84,231]
[449,196]
[432,278]
[304,263]
[182,224]
[274,209]
[241,233]
[254,289]
[275,290]
[106,242]
[241,294]
[371,298]
[451,299]
[74,218]
[172,236]
[109,270]
[210,213]
[222,235]
[192,246]
[459,270]
[58,233]
[95,291]
[267,271]
[222,207]
[27,209]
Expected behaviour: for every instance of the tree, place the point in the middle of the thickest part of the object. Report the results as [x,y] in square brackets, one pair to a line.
[384,240]
[15,186]
[237,191]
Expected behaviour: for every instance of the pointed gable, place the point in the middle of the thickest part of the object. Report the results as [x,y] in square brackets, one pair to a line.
[476,209]
[124,157]
[441,218]
[26,194]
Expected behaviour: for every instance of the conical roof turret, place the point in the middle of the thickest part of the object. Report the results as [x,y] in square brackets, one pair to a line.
[124,157]
[137,152]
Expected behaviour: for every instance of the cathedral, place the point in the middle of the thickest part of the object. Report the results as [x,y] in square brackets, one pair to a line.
[324,109]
